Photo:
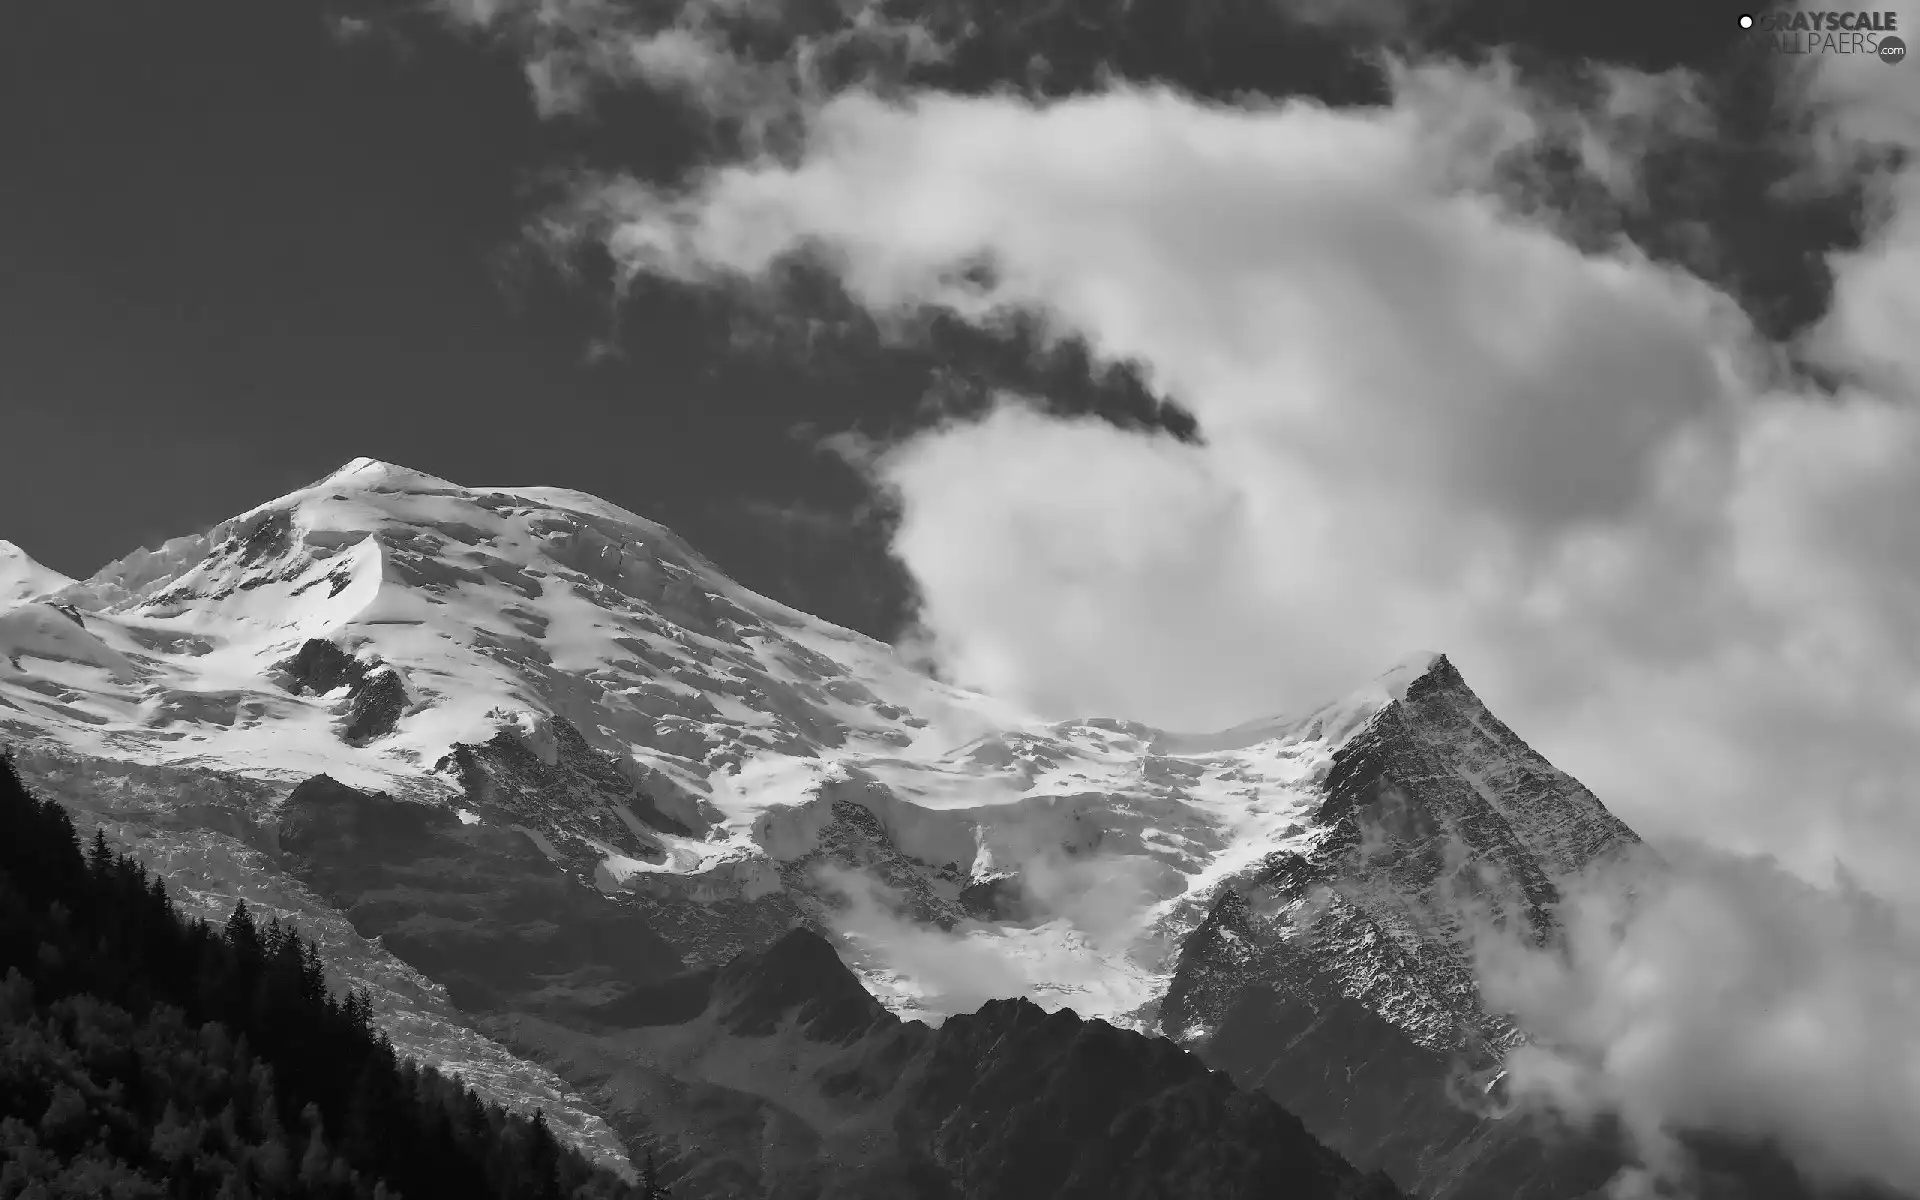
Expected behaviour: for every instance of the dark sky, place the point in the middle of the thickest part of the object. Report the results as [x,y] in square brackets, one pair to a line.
[235,252]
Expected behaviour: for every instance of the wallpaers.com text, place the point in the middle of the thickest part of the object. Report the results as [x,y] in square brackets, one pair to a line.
[1827,32]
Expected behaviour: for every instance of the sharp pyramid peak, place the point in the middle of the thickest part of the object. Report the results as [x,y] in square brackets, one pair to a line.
[1417,673]
[1422,664]
[801,973]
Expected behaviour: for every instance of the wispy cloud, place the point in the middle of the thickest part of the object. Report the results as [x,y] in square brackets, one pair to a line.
[754,62]
[1700,991]
[956,974]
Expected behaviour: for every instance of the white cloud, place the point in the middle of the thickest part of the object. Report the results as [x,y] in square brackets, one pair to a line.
[573,49]
[955,973]
[1431,421]
[1727,995]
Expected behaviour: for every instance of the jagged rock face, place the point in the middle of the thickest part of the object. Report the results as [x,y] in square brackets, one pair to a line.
[1030,1103]
[576,795]
[377,704]
[480,909]
[1434,815]
[1008,1103]
[376,696]
[1340,979]
[799,979]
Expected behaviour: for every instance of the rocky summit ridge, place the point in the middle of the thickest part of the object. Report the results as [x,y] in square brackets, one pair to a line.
[524,759]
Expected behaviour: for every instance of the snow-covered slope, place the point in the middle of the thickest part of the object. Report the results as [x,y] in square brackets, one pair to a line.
[23,579]
[540,666]
[494,606]
[519,617]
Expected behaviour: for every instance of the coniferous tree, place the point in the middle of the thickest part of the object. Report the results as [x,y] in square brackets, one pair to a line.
[151,1057]
[543,1160]
[650,1186]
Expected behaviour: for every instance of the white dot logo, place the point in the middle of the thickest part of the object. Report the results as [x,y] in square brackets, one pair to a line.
[1746,21]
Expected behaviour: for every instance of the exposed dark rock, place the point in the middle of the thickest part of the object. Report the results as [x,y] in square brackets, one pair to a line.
[320,667]
[478,908]
[577,790]
[323,815]
[379,699]
[800,976]
[378,696]
[995,899]
[1017,1102]
[855,834]
[270,535]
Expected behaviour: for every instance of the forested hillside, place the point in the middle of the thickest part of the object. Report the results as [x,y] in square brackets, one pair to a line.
[145,1056]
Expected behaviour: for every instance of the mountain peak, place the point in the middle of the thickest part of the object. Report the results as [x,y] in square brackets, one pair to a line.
[377,475]
[22,578]
[1428,726]
[1414,667]
[800,975]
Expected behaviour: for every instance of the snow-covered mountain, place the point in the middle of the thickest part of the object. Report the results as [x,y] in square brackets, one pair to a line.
[23,579]
[566,757]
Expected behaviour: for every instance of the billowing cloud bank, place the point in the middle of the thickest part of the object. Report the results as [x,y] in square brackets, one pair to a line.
[1726,995]
[1429,420]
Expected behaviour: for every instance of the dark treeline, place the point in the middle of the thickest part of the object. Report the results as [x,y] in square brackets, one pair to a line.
[142,1055]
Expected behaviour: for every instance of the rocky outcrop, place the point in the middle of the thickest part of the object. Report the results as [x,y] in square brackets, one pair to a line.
[1021,1102]
[799,980]
[321,667]
[377,696]
[378,702]
[553,779]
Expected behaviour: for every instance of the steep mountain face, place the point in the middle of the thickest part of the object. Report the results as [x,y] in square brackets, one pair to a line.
[1340,979]
[526,758]
[827,1094]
